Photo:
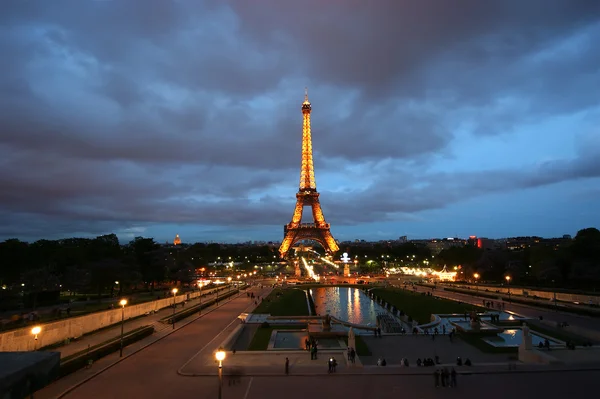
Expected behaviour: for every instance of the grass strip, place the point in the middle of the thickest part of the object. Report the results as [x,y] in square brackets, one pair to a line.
[284,302]
[420,306]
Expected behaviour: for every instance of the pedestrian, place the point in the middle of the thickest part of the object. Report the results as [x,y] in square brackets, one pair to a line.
[436,376]
[353,355]
[453,377]
[349,353]
[287,366]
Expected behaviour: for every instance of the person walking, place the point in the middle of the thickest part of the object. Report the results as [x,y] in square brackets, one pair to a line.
[287,366]
[453,378]
[443,377]
[436,376]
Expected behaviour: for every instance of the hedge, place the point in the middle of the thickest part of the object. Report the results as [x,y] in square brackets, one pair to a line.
[80,359]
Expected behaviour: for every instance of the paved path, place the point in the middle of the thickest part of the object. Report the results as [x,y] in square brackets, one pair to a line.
[491,386]
[413,347]
[148,370]
[113,332]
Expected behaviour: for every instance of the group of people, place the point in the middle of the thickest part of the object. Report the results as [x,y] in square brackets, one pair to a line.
[332,364]
[426,362]
[490,305]
[445,377]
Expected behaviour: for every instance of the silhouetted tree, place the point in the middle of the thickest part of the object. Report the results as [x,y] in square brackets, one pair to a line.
[150,260]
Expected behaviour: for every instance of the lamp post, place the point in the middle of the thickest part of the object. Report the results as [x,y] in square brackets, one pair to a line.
[508,283]
[122,302]
[35,331]
[476,277]
[229,289]
[174,291]
[220,356]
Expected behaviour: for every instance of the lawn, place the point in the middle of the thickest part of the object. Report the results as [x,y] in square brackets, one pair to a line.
[261,338]
[284,302]
[420,307]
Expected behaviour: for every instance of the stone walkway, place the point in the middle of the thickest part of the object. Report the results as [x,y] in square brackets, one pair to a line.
[413,347]
[63,385]
[115,331]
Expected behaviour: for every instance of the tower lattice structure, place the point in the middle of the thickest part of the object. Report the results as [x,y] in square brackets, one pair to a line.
[307,195]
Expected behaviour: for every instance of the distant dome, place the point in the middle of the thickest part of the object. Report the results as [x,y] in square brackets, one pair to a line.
[177,240]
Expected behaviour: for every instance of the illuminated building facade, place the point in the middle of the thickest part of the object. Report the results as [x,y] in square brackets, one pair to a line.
[307,195]
[177,240]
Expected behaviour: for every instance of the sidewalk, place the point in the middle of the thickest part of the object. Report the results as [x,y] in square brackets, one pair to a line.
[62,386]
[115,331]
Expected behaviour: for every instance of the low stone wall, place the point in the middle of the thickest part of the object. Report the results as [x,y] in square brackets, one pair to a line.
[528,293]
[74,327]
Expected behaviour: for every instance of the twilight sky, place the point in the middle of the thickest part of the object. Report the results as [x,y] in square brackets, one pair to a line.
[157,117]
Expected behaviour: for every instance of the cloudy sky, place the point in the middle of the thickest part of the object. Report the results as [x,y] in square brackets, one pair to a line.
[157,117]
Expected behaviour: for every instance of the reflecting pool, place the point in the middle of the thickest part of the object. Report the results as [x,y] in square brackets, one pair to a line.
[347,304]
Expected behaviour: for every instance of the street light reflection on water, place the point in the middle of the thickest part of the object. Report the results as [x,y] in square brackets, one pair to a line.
[347,304]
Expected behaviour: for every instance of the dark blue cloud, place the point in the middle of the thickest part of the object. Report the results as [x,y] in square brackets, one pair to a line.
[184,116]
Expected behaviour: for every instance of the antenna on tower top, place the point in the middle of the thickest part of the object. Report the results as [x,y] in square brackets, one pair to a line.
[306,94]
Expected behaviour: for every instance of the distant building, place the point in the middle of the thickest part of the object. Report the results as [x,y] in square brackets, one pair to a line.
[438,245]
[177,240]
[403,239]
[486,243]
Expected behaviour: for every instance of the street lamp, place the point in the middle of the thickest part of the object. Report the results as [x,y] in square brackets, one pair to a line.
[508,283]
[122,302]
[229,284]
[476,277]
[174,291]
[220,356]
[35,331]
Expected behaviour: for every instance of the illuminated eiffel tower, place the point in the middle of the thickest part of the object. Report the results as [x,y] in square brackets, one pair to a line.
[307,195]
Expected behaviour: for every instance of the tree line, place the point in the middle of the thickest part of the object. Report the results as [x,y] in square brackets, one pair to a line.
[93,265]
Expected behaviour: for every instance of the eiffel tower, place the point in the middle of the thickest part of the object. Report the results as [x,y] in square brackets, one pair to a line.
[307,195]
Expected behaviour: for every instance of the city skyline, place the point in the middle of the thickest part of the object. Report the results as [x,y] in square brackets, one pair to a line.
[428,120]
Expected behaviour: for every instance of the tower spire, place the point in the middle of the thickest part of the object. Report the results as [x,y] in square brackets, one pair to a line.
[307,172]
